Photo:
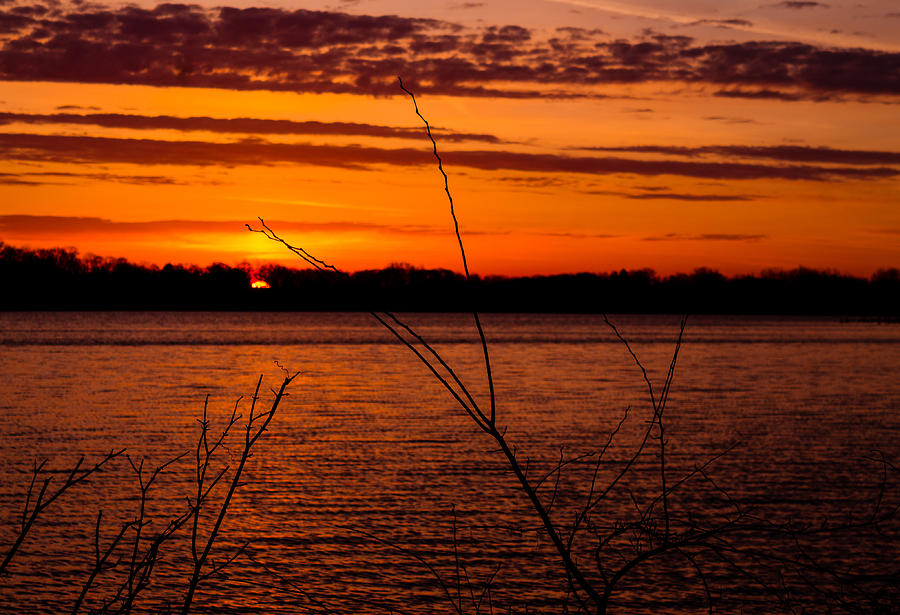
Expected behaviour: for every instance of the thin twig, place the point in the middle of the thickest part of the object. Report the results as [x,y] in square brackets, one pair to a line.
[462,251]
[255,427]
[33,509]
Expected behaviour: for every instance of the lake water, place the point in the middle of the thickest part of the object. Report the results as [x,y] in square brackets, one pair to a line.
[368,457]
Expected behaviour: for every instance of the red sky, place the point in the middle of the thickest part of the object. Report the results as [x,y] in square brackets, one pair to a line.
[581,135]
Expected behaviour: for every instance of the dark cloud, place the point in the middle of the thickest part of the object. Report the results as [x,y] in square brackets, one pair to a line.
[76,108]
[705,237]
[800,5]
[605,166]
[506,34]
[11,179]
[673,196]
[54,148]
[46,178]
[723,23]
[533,182]
[663,194]
[783,153]
[645,193]
[730,120]
[581,34]
[758,94]
[566,235]
[238,125]
[11,21]
[322,51]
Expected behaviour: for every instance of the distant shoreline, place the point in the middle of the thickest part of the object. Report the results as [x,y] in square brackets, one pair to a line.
[58,279]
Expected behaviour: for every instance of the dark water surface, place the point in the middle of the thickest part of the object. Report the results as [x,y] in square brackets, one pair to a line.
[369,442]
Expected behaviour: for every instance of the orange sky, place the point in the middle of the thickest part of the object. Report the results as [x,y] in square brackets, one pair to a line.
[578,135]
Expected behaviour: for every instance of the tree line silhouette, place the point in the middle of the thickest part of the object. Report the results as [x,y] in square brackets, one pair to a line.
[60,279]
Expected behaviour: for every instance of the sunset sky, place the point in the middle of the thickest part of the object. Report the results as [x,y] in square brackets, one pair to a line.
[579,135]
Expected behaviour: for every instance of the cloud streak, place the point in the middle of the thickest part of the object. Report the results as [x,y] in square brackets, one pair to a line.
[706,237]
[698,198]
[330,51]
[104,150]
[26,226]
[47,178]
[796,5]
[238,126]
[723,23]
[663,194]
[781,153]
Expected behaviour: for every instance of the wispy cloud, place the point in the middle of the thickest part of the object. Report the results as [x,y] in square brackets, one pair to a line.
[534,182]
[305,203]
[239,125]
[705,237]
[886,231]
[759,95]
[55,148]
[783,153]
[730,120]
[700,198]
[723,23]
[32,178]
[8,179]
[574,235]
[664,194]
[793,4]
[25,227]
